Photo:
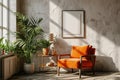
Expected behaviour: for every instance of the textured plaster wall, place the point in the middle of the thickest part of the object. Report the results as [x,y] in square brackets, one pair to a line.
[38,9]
[102,19]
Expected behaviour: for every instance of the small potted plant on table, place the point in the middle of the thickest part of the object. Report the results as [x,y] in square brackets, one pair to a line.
[44,44]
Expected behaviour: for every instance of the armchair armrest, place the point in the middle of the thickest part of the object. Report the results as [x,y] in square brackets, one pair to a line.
[60,55]
[90,57]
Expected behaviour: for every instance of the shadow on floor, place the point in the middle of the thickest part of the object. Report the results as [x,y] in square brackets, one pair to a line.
[67,76]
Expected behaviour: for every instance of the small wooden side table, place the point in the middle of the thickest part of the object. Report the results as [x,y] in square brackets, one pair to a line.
[43,64]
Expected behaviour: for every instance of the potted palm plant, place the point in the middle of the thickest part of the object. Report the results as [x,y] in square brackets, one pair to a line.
[27,42]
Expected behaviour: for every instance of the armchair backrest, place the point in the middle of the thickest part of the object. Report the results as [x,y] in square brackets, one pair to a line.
[91,50]
[78,51]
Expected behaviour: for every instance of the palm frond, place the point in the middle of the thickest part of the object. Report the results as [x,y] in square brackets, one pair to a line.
[39,20]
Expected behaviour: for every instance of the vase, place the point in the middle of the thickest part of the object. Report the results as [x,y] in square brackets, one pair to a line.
[45,51]
[29,68]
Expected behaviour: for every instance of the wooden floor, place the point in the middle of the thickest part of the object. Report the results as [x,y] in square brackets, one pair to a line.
[67,76]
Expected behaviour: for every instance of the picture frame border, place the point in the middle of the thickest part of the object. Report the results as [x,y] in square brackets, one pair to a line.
[84,26]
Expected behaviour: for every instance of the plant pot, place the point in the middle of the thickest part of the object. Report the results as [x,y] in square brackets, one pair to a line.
[29,68]
[3,52]
[45,51]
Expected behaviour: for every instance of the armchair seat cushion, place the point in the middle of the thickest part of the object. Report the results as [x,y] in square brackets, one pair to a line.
[74,63]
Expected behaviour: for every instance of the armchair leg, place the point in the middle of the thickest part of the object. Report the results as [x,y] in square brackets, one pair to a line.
[72,70]
[93,71]
[79,73]
[58,71]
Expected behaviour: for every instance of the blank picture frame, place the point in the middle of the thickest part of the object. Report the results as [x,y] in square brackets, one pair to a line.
[73,24]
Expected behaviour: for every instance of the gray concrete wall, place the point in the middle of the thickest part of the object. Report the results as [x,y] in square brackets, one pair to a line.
[102,19]
[36,8]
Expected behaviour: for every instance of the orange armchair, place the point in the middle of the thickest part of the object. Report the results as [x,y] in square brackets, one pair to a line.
[81,57]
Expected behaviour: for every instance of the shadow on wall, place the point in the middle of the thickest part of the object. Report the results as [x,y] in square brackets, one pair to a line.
[63,46]
[104,63]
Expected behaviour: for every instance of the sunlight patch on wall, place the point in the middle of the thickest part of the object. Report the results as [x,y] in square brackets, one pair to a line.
[103,44]
[107,46]
[5,19]
[55,16]
[8,19]
[12,20]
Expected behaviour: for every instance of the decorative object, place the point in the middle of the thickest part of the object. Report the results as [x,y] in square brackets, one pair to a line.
[53,51]
[45,51]
[73,24]
[44,44]
[50,64]
[51,37]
